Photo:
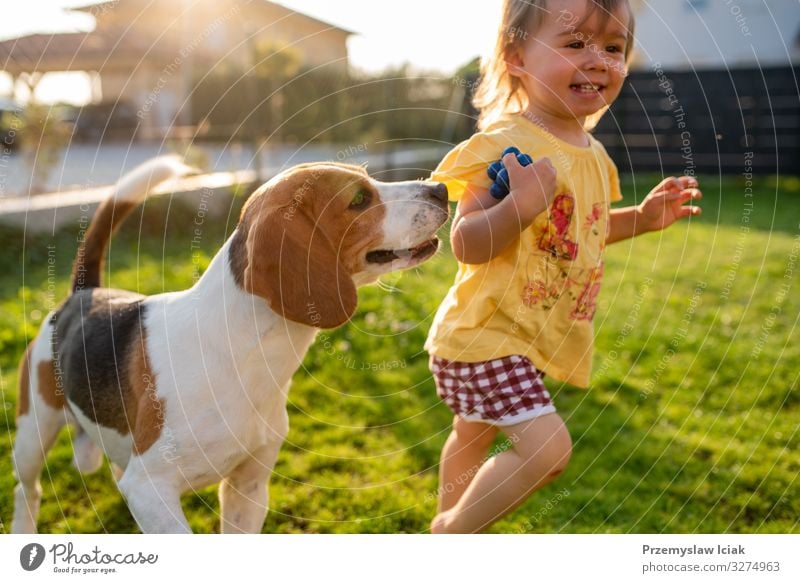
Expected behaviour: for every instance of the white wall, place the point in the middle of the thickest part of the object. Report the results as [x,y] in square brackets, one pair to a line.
[717,33]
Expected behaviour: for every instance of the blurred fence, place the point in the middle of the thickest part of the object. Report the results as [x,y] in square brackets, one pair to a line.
[713,121]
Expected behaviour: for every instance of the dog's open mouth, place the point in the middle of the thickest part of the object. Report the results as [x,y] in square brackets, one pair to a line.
[421,251]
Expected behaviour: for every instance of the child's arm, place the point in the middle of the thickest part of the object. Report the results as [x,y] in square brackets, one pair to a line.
[662,207]
[484,226]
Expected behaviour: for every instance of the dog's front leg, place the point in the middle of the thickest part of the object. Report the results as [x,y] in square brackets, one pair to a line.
[154,501]
[244,494]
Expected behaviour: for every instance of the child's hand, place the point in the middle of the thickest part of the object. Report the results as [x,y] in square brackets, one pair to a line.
[533,187]
[665,203]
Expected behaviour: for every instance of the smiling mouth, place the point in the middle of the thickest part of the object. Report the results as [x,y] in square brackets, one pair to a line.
[422,251]
[587,88]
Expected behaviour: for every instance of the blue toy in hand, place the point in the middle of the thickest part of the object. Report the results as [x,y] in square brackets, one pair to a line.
[498,173]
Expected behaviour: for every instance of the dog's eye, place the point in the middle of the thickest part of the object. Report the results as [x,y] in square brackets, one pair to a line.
[360,200]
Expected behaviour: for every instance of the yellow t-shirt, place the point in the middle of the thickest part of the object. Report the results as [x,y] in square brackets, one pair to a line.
[537,297]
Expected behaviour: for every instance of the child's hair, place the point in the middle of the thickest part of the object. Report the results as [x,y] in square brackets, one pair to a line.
[498,92]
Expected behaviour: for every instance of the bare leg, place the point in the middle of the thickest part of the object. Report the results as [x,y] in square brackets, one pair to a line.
[462,456]
[541,450]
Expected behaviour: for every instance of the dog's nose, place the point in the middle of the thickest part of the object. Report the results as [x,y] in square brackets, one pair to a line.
[438,191]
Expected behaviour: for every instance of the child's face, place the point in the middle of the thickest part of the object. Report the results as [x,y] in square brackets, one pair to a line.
[575,63]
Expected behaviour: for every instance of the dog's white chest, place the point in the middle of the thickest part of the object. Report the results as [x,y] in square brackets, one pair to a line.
[221,409]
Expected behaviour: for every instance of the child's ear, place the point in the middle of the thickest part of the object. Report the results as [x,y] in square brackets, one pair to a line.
[513,59]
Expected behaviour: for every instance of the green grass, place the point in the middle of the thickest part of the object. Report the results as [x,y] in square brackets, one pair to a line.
[704,439]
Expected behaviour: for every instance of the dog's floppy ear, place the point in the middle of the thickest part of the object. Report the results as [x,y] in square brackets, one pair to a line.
[294,266]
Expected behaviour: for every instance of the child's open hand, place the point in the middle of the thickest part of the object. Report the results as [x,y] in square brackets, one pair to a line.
[533,187]
[665,203]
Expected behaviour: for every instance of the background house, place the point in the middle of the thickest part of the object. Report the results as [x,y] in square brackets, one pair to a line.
[714,34]
[713,89]
[146,54]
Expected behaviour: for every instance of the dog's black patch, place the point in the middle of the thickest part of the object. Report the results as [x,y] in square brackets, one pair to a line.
[94,330]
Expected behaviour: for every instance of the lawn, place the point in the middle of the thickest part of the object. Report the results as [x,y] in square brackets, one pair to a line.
[691,424]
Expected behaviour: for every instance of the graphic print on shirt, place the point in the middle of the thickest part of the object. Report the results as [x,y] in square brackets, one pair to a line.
[587,300]
[554,237]
[548,282]
[593,217]
[555,274]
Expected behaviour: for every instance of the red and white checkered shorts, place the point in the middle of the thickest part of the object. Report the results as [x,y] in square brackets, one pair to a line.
[503,391]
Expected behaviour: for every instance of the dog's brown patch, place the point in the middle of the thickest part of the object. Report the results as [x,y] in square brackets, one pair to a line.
[149,423]
[24,384]
[51,393]
[298,242]
[145,410]
[88,267]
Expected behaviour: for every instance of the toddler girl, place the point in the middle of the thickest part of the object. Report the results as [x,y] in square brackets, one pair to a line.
[530,265]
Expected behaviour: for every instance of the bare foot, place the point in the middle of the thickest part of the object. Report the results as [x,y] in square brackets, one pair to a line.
[438,524]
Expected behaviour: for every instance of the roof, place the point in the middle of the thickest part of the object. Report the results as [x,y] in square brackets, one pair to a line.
[110,45]
[103,6]
[80,51]
[307,17]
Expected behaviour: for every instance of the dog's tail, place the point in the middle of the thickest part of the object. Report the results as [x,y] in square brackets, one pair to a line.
[128,193]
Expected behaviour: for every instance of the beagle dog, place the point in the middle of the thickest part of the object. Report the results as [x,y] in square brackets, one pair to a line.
[186,389]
